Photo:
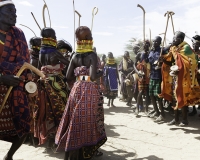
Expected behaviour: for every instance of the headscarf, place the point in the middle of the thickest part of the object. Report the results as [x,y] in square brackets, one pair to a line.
[3,3]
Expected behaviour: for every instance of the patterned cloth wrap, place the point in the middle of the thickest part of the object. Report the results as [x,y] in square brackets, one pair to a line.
[186,90]
[143,82]
[52,98]
[15,117]
[110,80]
[82,124]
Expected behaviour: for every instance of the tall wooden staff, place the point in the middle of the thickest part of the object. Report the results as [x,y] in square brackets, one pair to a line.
[150,36]
[79,15]
[157,62]
[143,20]
[171,14]
[43,11]
[74,23]
[28,28]
[36,21]
[93,15]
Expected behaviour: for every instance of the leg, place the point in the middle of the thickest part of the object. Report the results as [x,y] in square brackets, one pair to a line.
[130,95]
[184,113]
[14,147]
[112,101]
[194,111]
[153,99]
[147,100]
[162,113]
[139,99]
[175,121]
[108,102]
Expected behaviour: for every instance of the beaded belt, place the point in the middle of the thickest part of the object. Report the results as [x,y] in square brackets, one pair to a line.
[83,78]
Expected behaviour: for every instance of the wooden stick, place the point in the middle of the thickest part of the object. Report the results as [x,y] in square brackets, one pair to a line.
[74,23]
[35,21]
[25,66]
[48,12]
[79,15]
[93,16]
[28,28]
[171,14]
[143,20]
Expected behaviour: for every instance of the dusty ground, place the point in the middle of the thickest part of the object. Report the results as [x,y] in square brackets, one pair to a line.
[131,137]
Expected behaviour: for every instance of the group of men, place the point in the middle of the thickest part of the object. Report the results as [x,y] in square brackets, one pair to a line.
[161,75]
[170,73]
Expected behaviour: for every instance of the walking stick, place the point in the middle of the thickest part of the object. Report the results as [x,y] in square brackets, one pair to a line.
[165,39]
[74,23]
[28,28]
[93,15]
[25,66]
[79,15]
[35,21]
[143,20]
[171,14]
[45,7]
[157,62]
[150,37]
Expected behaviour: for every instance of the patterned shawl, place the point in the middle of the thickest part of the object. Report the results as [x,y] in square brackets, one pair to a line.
[14,55]
[187,89]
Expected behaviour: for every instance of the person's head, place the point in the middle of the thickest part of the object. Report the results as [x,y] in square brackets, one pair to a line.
[35,42]
[157,41]
[146,45]
[7,13]
[110,55]
[103,57]
[83,33]
[64,47]
[178,38]
[126,55]
[196,42]
[136,48]
[48,32]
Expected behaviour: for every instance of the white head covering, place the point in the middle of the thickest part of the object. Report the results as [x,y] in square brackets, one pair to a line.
[3,3]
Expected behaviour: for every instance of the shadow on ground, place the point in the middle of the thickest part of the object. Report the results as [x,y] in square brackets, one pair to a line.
[117,154]
[151,157]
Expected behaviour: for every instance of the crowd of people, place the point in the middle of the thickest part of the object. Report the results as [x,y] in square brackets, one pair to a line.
[65,111]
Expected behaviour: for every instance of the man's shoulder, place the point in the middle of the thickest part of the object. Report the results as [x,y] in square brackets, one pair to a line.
[16,29]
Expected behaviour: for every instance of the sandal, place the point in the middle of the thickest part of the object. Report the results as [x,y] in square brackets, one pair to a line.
[98,153]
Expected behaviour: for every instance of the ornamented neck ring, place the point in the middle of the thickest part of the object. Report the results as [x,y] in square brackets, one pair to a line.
[49,41]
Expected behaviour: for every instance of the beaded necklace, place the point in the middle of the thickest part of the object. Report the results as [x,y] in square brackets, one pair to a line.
[49,41]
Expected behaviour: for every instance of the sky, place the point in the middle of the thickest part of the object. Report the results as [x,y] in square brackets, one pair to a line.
[116,22]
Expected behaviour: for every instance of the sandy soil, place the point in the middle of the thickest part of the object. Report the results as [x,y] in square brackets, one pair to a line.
[131,137]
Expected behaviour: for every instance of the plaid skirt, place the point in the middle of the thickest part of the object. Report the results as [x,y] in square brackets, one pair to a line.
[154,87]
[82,123]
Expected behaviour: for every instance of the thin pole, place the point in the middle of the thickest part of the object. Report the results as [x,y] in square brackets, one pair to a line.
[35,21]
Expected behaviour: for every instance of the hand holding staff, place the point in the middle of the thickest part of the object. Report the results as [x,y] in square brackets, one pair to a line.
[25,66]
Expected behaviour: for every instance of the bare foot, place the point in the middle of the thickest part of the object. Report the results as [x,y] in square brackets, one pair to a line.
[112,105]
[7,158]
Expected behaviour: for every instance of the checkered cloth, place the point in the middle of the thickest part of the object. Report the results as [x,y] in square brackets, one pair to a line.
[15,53]
[154,87]
[82,123]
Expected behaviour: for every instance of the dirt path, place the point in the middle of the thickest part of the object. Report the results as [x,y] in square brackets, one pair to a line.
[131,137]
